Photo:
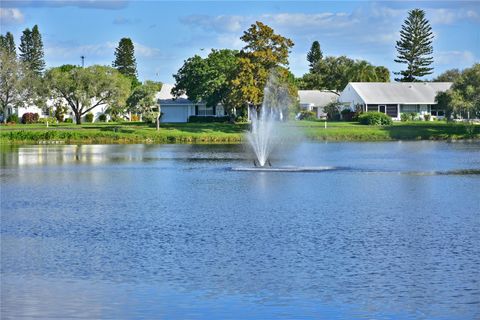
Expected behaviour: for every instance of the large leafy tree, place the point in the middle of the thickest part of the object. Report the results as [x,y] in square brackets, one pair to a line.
[86,88]
[11,86]
[125,61]
[334,73]
[463,99]
[208,79]
[415,47]
[314,55]
[7,43]
[19,86]
[448,76]
[31,50]
[264,51]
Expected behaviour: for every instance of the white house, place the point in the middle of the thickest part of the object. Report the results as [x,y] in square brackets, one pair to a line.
[316,100]
[394,98]
[51,104]
[180,109]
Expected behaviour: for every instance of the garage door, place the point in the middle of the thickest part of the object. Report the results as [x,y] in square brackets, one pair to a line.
[174,114]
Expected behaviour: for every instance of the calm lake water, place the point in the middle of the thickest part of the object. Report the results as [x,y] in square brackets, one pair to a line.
[169,231]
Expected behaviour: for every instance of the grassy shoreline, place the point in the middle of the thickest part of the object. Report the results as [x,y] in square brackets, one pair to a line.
[127,133]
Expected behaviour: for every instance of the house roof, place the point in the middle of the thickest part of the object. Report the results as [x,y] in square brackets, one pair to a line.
[165,97]
[317,98]
[399,92]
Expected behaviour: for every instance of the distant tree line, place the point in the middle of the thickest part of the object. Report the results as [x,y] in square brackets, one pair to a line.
[24,81]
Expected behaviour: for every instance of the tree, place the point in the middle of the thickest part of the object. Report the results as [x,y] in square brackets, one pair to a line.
[208,79]
[264,51]
[11,76]
[142,99]
[31,50]
[415,47]
[265,47]
[7,43]
[448,76]
[86,88]
[125,61]
[19,86]
[334,73]
[314,55]
[463,98]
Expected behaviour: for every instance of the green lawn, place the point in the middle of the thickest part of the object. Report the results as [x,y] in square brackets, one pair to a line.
[138,132]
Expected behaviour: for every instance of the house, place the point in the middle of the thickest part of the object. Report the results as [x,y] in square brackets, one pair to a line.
[316,100]
[394,98]
[180,109]
[51,105]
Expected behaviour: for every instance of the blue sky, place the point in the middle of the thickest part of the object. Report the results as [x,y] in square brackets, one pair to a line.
[166,33]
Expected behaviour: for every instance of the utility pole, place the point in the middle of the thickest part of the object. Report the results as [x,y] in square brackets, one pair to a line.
[83,60]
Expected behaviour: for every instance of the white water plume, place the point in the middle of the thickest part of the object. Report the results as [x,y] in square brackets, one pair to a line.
[264,134]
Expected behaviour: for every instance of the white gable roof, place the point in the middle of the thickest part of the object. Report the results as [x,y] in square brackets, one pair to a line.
[317,98]
[399,92]
[165,97]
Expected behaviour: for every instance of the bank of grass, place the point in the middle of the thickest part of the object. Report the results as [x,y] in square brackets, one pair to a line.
[123,133]
[137,132]
[353,131]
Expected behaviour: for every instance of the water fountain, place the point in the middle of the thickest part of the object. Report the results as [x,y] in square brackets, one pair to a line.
[266,131]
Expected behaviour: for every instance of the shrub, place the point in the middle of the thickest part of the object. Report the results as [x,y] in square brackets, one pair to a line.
[404,117]
[375,119]
[239,119]
[13,118]
[117,118]
[68,120]
[89,117]
[208,119]
[60,112]
[50,120]
[426,117]
[332,110]
[348,115]
[150,117]
[307,115]
[135,117]
[29,117]
[102,117]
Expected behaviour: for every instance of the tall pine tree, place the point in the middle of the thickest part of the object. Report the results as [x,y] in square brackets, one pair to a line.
[31,50]
[314,55]
[415,47]
[7,43]
[125,60]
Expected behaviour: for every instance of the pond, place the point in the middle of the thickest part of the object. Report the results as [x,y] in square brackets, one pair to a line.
[171,231]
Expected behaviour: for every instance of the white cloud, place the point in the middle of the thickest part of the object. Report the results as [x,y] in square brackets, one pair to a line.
[324,20]
[221,23]
[11,16]
[145,51]
[231,41]
[463,58]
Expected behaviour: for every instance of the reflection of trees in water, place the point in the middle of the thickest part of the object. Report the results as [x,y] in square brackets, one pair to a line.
[65,154]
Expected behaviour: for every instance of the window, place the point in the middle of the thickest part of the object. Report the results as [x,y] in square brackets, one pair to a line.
[203,110]
[436,111]
[407,108]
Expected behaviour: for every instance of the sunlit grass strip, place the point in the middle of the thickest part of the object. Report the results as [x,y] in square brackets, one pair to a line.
[112,133]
